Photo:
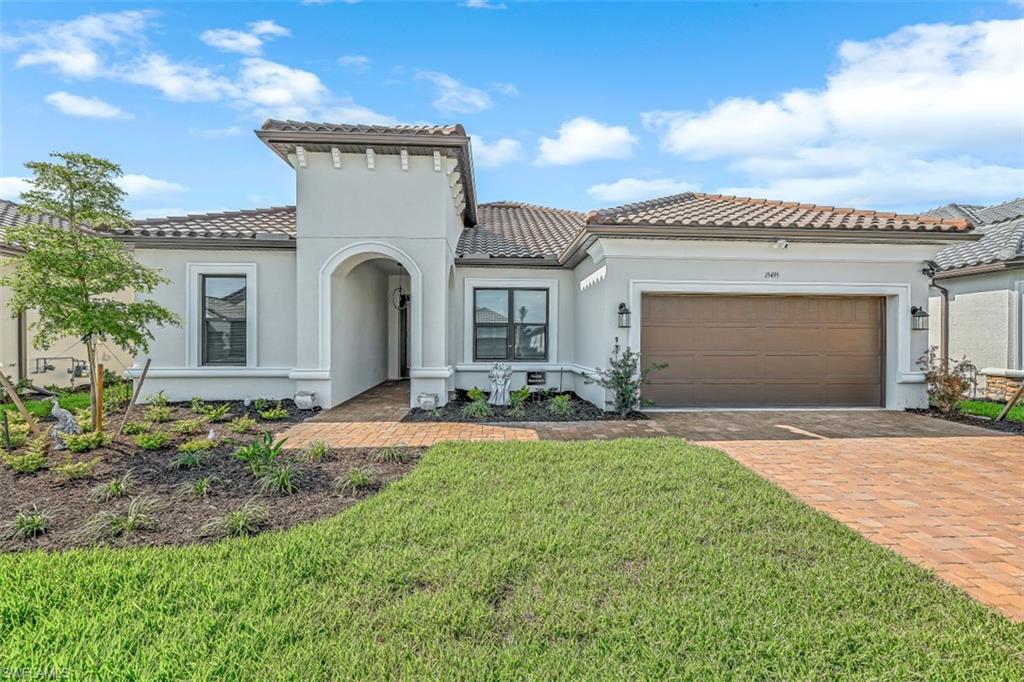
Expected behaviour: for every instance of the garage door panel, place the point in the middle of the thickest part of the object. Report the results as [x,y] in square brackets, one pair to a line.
[764,350]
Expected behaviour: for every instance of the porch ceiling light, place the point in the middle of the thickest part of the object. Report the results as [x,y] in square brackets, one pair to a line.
[918,319]
[624,315]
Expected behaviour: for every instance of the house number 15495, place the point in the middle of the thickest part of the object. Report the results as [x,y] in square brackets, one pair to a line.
[771,274]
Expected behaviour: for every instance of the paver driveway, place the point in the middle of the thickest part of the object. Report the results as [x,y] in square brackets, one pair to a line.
[947,496]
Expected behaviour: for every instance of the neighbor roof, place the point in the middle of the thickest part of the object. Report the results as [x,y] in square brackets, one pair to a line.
[695,209]
[1002,237]
[276,125]
[980,215]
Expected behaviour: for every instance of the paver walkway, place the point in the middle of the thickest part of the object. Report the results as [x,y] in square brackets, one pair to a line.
[947,496]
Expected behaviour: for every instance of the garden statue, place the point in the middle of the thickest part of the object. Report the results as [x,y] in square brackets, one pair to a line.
[500,376]
[305,400]
[66,423]
[427,401]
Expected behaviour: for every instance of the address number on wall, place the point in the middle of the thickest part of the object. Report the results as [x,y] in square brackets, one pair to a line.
[771,274]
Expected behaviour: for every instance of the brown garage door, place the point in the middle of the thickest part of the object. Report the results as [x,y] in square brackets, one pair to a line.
[763,351]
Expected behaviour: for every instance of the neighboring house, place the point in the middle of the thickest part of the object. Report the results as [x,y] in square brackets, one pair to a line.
[985,285]
[387,267]
[66,361]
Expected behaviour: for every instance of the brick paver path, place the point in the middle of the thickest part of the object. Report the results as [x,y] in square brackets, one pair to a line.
[947,496]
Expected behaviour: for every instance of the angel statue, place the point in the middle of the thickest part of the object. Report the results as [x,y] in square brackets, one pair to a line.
[500,376]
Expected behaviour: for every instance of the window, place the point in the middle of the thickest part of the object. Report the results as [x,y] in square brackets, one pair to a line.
[224,335]
[510,324]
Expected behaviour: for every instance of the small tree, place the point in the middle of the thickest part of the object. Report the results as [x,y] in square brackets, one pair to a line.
[624,377]
[948,383]
[68,275]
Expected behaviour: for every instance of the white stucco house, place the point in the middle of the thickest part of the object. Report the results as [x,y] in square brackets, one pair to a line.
[980,286]
[387,267]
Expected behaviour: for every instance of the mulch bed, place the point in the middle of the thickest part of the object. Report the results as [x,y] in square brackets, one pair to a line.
[181,517]
[535,410]
[1005,426]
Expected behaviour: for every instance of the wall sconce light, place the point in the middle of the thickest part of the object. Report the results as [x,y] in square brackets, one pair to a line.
[918,319]
[624,315]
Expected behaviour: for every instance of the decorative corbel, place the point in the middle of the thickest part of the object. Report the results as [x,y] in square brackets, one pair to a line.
[369,158]
[300,156]
[336,157]
[405,159]
[437,161]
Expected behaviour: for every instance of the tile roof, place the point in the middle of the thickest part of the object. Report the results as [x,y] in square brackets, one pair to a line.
[276,222]
[695,209]
[1002,236]
[11,216]
[317,127]
[508,229]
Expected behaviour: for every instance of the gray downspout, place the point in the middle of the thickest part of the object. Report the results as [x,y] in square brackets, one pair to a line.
[22,347]
[930,270]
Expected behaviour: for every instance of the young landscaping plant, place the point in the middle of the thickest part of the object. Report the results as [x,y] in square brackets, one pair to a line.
[27,523]
[391,454]
[517,401]
[189,426]
[218,413]
[201,487]
[355,480]
[158,413]
[948,383]
[242,424]
[245,520]
[136,428]
[114,488]
[261,455]
[109,525]
[33,459]
[624,377]
[71,278]
[477,407]
[85,442]
[276,413]
[152,441]
[281,479]
[317,451]
[71,470]
[561,405]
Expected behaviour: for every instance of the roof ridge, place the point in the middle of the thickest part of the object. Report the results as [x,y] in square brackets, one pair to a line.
[214,214]
[646,203]
[523,204]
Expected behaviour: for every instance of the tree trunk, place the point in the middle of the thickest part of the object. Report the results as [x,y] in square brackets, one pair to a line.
[93,384]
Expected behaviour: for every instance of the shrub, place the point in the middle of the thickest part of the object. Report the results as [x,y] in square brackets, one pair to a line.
[218,413]
[201,487]
[242,424]
[33,459]
[117,395]
[260,404]
[391,454]
[197,445]
[27,523]
[114,488]
[624,377]
[317,451]
[947,382]
[85,442]
[353,481]
[108,525]
[188,460]
[245,520]
[152,441]
[158,413]
[160,400]
[282,479]
[189,426]
[18,432]
[70,470]
[83,416]
[517,401]
[561,405]
[135,428]
[276,413]
[261,455]
[197,405]
[478,407]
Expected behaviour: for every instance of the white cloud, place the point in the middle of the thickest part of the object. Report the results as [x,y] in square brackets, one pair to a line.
[497,153]
[216,133]
[584,139]
[505,89]
[454,97]
[88,107]
[12,186]
[350,112]
[230,40]
[177,81]
[280,90]
[73,47]
[355,62]
[143,186]
[483,4]
[634,189]
[244,42]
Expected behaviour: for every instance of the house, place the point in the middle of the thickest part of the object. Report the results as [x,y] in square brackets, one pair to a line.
[65,362]
[388,267]
[982,285]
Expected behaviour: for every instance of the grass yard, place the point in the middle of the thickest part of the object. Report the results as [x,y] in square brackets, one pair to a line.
[986,408]
[624,559]
[41,408]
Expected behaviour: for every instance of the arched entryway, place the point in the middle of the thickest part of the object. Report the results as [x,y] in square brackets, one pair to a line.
[370,317]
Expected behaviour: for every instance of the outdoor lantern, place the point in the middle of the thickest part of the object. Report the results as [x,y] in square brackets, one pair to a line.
[624,315]
[918,319]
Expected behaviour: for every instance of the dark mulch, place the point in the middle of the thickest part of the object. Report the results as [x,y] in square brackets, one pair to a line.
[181,517]
[973,420]
[535,410]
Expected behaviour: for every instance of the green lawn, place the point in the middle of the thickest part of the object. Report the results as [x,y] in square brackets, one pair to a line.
[985,408]
[41,408]
[631,559]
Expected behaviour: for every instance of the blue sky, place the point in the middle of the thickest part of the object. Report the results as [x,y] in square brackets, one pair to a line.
[889,106]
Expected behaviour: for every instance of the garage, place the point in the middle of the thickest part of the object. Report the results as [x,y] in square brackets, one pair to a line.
[764,350]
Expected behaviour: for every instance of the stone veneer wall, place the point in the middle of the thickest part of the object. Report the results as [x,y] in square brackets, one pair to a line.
[1000,388]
